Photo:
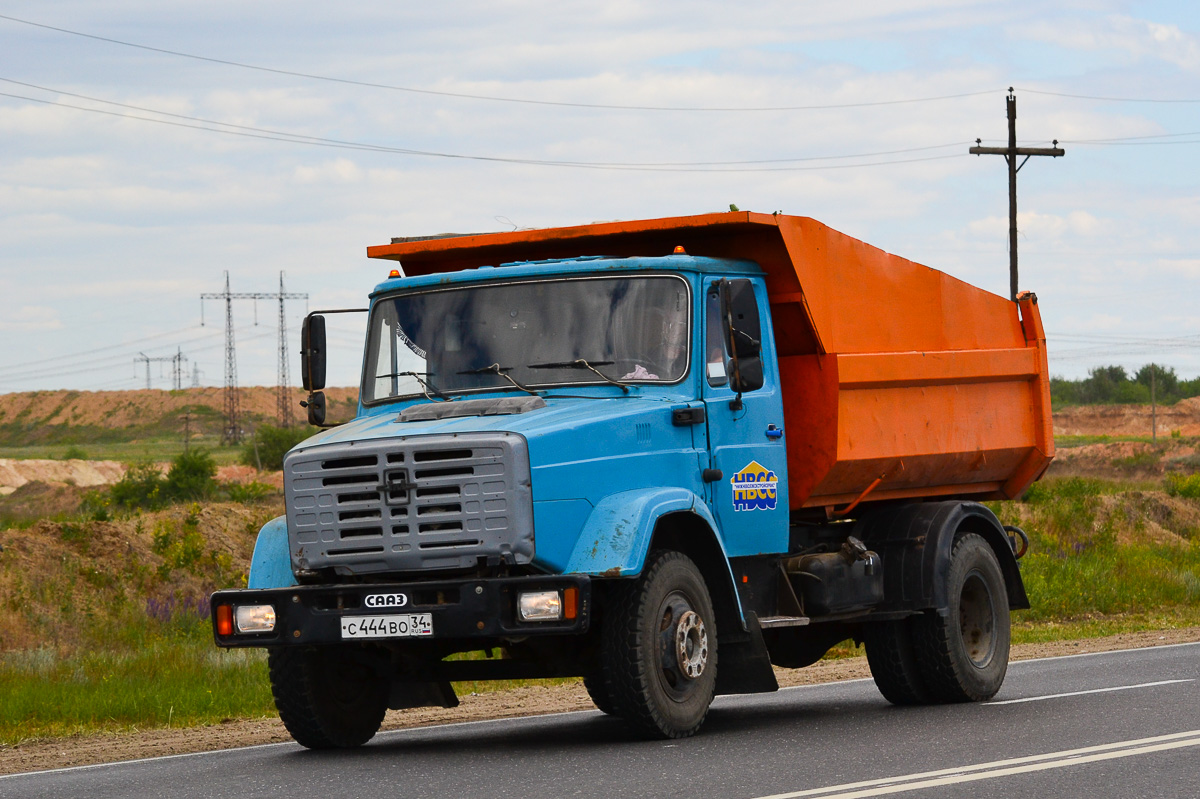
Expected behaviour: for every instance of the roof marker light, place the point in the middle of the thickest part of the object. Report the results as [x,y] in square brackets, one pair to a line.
[679,250]
[394,273]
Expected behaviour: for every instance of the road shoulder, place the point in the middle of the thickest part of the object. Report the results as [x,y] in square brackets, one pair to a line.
[93,749]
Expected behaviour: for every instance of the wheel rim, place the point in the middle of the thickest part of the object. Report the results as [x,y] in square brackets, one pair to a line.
[977,620]
[683,645]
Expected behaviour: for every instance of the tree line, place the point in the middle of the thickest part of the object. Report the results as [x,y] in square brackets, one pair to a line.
[1112,385]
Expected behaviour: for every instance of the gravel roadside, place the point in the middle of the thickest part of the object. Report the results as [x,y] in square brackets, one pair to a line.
[85,750]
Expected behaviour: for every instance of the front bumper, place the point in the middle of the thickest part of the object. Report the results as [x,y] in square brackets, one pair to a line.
[460,609]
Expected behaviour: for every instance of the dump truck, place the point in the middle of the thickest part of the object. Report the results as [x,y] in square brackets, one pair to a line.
[662,456]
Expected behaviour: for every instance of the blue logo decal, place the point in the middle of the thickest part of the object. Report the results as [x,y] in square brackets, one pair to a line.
[754,488]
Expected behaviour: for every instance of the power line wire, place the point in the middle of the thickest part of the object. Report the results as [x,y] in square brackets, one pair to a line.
[111,361]
[1109,99]
[133,343]
[571,163]
[270,135]
[490,98]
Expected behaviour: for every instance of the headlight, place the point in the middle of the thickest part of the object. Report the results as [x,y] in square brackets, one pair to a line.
[540,606]
[254,618]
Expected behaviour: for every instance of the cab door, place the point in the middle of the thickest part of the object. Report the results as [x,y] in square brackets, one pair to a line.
[747,454]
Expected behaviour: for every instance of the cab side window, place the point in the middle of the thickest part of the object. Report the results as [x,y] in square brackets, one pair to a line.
[717,360]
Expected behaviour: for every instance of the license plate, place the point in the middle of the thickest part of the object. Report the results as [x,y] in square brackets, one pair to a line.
[405,625]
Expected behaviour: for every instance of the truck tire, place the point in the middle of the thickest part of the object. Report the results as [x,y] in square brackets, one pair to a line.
[659,653]
[326,697]
[963,656]
[894,664]
[597,688]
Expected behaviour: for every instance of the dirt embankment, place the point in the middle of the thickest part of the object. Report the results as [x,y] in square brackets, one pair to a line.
[53,573]
[122,409]
[1129,420]
[74,472]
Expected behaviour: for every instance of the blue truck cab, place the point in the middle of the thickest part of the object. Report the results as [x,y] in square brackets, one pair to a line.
[577,467]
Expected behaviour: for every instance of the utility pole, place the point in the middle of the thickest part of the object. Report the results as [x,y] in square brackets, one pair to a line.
[141,356]
[1010,154]
[177,368]
[284,407]
[233,430]
[1153,407]
[233,433]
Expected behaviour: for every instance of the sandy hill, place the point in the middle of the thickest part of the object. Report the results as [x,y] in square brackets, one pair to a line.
[1128,420]
[126,409]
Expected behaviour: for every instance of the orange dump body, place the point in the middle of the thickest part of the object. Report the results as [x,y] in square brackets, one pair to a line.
[898,380]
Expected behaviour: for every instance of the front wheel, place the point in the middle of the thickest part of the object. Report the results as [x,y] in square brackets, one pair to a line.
[660,649]
[327,697]
[963,656]
[597,689]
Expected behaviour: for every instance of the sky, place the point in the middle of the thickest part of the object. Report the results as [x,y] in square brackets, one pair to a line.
[146,149]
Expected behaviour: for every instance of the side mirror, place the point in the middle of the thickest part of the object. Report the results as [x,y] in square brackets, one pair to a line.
[743,334]
[312,355]
[316,408]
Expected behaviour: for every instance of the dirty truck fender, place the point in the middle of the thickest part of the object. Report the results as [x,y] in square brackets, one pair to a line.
[270,566]
[617,534]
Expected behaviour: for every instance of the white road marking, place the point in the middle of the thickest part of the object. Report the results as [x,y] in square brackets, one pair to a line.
[998,768]
[1092,691]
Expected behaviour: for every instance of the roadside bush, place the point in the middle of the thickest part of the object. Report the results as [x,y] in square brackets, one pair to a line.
[272,444]
[74,453]
[141,487]
[191,476]
[1186,486]
[247,493]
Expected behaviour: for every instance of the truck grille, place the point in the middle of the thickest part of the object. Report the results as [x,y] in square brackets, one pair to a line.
[409,504]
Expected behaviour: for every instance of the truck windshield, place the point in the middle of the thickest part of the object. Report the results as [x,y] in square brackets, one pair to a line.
[540,333]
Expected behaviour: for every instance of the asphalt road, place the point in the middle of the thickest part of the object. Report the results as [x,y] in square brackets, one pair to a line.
[1117,724]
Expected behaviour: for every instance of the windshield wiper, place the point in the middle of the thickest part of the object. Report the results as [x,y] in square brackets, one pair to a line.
[580,363]
[499,371]
[426,385]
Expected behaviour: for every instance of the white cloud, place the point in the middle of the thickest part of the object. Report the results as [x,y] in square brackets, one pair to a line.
[31,319]
[1034,224]
[1187,267]
[1134,38]
[340,170]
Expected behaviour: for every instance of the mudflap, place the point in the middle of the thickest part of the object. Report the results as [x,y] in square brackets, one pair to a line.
[404,695]
[744,666]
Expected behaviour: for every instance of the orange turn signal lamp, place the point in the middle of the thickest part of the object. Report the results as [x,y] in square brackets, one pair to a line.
[224,620]
[570,603]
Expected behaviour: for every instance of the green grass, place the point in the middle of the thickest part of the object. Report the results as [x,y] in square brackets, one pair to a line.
[1027,631]
[173,678]
[157,450]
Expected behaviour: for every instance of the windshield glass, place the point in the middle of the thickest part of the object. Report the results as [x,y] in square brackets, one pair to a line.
[540,333]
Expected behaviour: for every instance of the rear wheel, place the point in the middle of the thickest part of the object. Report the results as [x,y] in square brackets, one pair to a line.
[893,663]
[327,697]
[963,656]
[660,649]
